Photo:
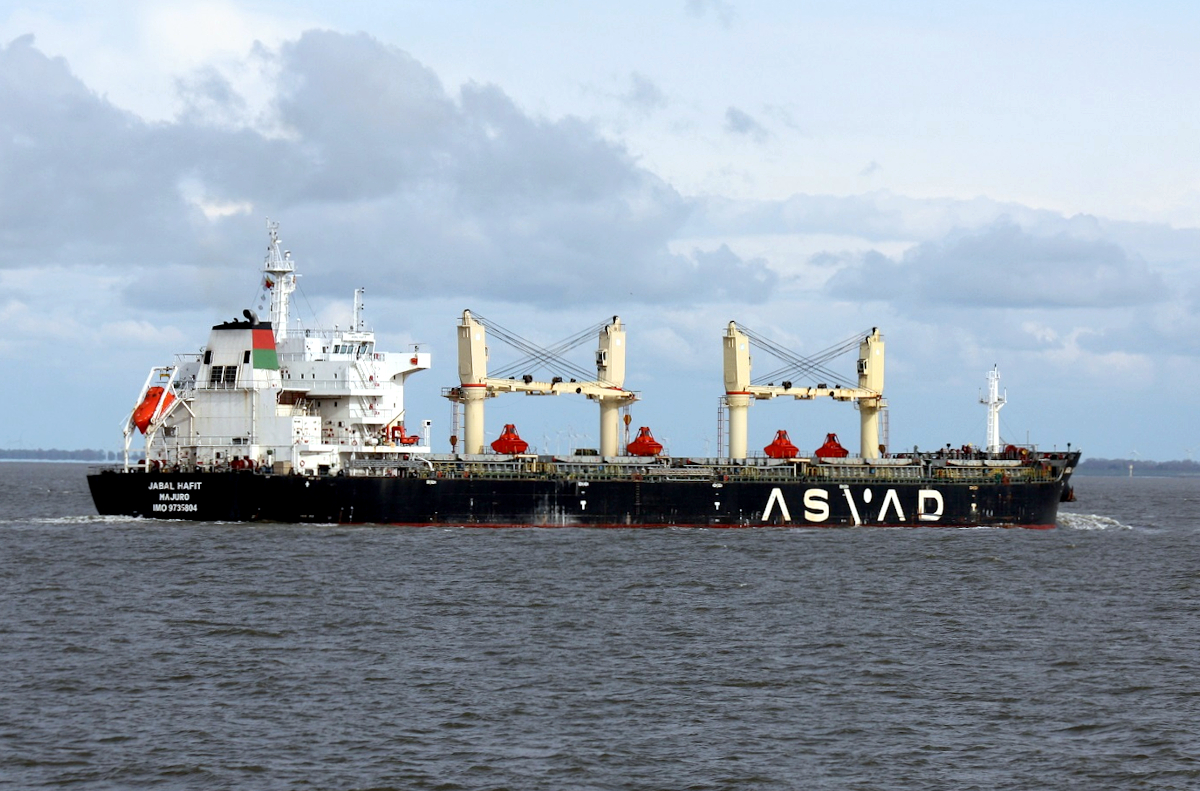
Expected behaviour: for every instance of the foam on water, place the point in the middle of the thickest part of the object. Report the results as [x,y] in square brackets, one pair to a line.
[85,519]
[1090,522]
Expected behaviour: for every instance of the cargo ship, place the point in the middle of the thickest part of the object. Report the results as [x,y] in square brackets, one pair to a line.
[271,422]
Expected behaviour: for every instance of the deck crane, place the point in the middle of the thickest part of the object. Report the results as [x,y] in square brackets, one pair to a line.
[740,392]
[475,385]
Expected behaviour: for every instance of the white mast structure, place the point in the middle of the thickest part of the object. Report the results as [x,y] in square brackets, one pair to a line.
[279,280]
[994,401]
[359,326]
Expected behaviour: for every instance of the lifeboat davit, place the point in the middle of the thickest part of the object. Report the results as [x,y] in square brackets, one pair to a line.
[401,437]
[832,449]
[145,410]
[509,442]
[644,444]
[781,447]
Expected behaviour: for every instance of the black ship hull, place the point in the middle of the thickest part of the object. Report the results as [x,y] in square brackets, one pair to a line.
[562,502]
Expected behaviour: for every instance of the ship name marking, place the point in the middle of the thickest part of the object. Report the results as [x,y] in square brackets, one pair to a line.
[894,499]
[930,505]
[816,505]
[929,495]
[776,497]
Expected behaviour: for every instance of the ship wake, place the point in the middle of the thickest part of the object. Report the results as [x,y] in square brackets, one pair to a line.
[1072,521]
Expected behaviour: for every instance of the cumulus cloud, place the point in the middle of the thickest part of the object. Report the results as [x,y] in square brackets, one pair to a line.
[79,178]
[643,95]
[739,122]
[870,169]
[208,97]
[721,9]
[1004,266]
[398,179]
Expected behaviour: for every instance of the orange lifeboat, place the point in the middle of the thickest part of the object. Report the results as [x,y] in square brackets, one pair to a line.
[832,449]
[644,445]
[781,447]
[401,437]
[509,442]
[145,410]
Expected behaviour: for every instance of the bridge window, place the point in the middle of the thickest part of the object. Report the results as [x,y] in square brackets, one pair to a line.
[223,377]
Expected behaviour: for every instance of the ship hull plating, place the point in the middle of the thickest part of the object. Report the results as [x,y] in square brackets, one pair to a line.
[558,502]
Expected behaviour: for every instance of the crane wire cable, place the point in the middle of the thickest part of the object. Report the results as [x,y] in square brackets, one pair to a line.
[797,364]
[541,356]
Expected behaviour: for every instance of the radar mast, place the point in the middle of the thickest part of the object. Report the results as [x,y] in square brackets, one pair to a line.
[994,402]
[279,281]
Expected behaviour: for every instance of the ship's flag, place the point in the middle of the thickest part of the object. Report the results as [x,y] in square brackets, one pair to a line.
[264,355]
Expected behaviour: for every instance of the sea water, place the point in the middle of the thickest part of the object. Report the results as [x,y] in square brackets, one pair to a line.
[180,655]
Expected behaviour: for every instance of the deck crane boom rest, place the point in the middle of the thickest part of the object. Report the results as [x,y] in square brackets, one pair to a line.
[607,390]
[739,392]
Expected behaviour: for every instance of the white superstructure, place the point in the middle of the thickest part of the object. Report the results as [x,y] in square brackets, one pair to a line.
[269,394]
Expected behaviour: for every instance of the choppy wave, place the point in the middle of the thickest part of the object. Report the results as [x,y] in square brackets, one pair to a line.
[146,653]
[87,519]
[1090,522]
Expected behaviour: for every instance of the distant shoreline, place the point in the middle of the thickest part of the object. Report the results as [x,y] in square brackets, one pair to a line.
[55,461]
[1142,468]
[92,455]
[1136,474]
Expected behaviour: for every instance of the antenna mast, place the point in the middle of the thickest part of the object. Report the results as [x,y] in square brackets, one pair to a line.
[994,402]
[358,309]
[279,280]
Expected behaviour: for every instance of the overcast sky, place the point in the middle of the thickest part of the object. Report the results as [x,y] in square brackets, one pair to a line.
[989,184]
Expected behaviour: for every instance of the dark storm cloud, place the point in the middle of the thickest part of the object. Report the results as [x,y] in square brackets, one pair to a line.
[379,176]
[1004,266]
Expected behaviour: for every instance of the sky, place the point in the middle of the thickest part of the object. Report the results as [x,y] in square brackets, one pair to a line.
[1012,185]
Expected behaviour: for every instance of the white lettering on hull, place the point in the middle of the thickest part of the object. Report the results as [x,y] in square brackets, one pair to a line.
[850,502]
[928,495]
[930,506]
[816,505]
[776,497]
[174,507]
[174,496]
[894,499]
